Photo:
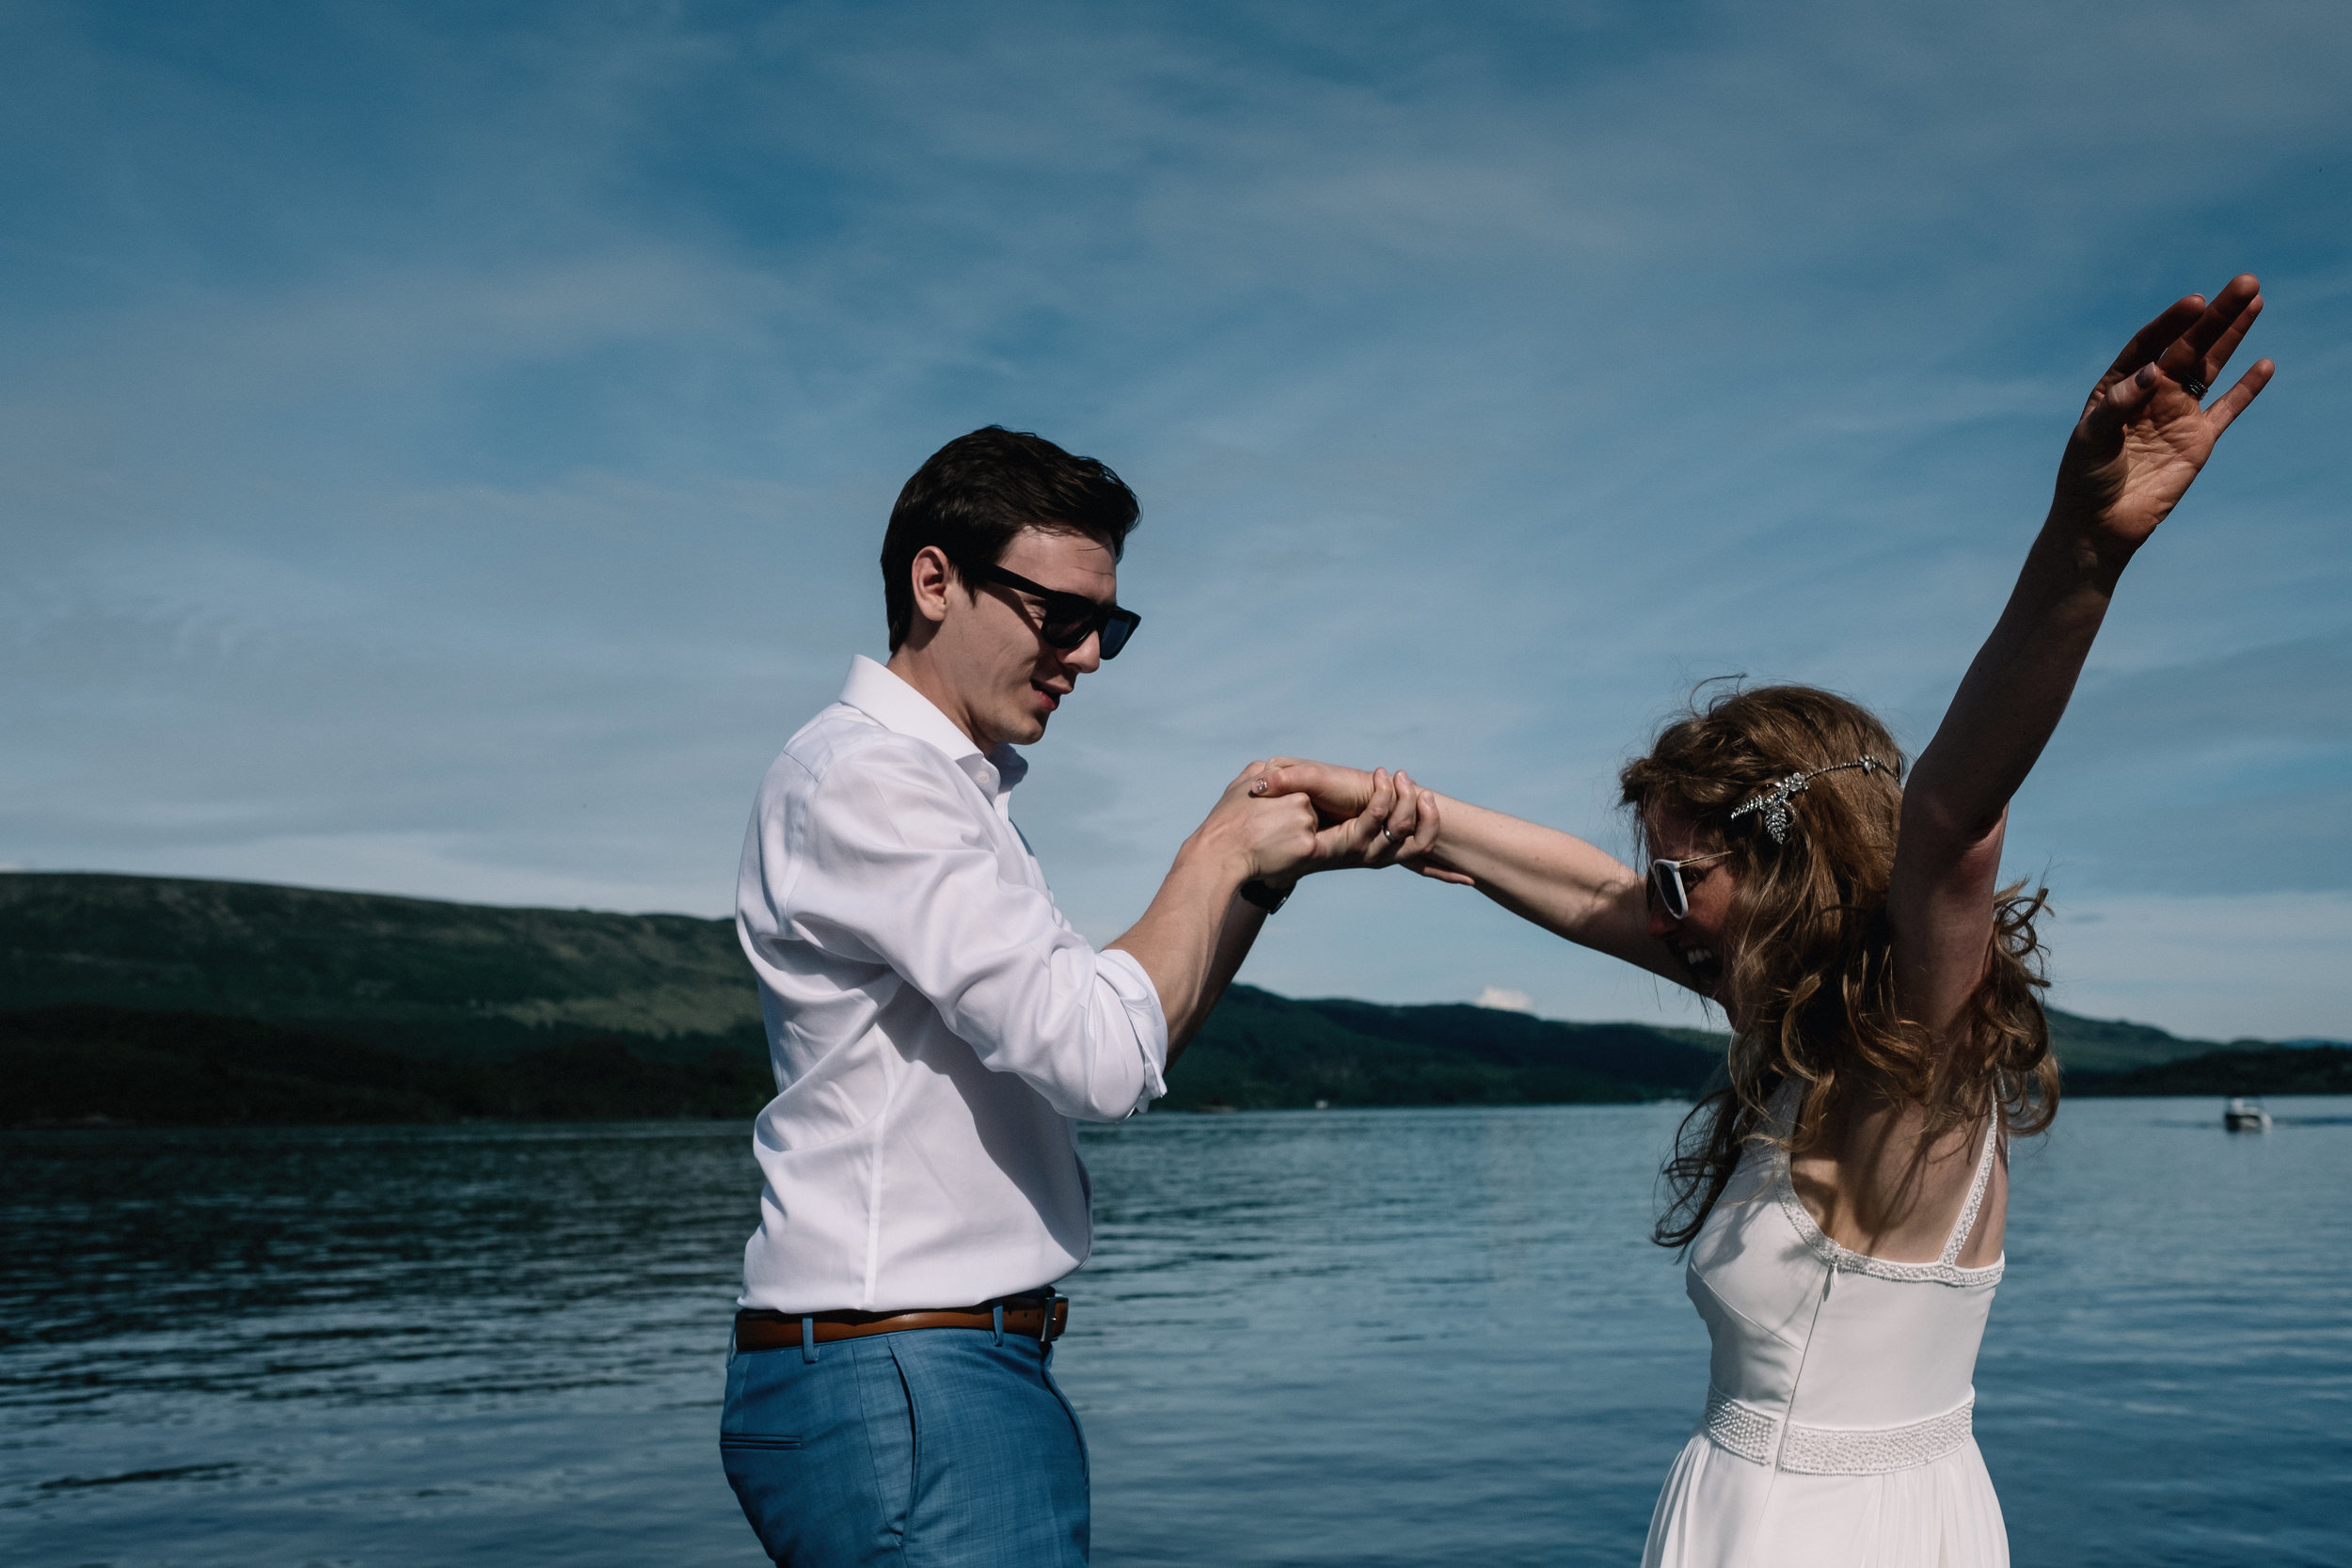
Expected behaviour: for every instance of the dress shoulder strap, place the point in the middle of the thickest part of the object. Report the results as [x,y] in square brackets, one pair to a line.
[1976,1189]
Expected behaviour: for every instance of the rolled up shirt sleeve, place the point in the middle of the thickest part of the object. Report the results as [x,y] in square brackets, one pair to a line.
[894,866]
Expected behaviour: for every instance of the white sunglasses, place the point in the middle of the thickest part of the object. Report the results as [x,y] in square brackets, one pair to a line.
[1667,887]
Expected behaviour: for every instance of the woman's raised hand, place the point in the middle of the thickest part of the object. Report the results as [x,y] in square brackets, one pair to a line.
[2144,433]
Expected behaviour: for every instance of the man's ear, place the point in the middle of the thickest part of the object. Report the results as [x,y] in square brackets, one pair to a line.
[933,576]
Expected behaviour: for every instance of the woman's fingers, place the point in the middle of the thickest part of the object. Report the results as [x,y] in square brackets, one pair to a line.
[2193,355]
[1418,847]
[2152,339]
[1364,832]
[2233,402]
[1404,817]
[2197,355]
[2146,433]
[2218,356]
[2214,320]
[1379,834]
[1424,836]
[2111,409]
[1341,842]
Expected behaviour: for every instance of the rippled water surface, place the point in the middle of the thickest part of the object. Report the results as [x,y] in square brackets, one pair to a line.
[1375,1337]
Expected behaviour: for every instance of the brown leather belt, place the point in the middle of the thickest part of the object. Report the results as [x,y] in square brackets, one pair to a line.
[1024,1318]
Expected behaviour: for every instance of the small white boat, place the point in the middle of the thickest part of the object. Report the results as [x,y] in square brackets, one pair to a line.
[2246,1116]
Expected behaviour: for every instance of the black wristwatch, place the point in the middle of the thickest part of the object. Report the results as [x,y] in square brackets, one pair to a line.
[1265,897]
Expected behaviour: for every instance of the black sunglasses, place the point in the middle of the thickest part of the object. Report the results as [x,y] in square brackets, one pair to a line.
[1667,886]
[1070,618]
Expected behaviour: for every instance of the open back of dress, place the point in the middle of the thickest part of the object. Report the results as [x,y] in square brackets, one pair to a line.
[1836,1429]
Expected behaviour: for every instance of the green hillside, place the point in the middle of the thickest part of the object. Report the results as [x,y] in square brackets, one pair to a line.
[150,999]
[2113,1045]
[2260,1070]
[1263,1051]
[394,971]
[1259,1052]
[87,1063]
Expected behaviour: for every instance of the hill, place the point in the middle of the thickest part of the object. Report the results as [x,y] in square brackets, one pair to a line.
[1263,1051]
[63,1066]
[401,971]
[2102,1045]
[2260,1070]
[160,999]
[82,1063]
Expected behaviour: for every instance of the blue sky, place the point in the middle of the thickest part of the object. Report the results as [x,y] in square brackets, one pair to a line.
[446,446]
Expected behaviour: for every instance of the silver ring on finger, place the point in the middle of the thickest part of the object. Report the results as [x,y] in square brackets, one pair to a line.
[2195,387]
[1392,839]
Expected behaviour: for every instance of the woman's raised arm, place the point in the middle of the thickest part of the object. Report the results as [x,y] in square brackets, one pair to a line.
[2140,443]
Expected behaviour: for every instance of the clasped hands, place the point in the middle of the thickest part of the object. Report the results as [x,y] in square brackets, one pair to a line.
[1295,817]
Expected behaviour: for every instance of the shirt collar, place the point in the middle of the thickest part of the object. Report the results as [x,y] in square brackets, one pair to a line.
[891,703]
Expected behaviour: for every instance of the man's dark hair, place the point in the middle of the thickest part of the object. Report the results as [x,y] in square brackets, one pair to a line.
[972,495]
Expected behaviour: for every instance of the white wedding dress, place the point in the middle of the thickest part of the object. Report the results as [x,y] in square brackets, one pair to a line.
[1836,1432]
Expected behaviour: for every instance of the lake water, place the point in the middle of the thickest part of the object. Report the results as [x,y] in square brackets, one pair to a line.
[1342,1338]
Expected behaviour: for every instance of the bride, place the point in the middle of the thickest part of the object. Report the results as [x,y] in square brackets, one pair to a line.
[1842,1197]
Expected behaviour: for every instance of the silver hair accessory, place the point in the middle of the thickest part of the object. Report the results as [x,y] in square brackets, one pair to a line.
[1774,802]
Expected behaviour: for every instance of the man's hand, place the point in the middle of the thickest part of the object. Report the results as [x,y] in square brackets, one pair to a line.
[1256,836]
[2144,433]
[1377,818]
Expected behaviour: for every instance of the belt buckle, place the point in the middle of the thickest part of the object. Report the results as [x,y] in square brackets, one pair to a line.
[1046,1316]
[1045,1313]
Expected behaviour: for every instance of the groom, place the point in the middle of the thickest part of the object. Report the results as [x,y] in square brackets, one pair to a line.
[936,1027]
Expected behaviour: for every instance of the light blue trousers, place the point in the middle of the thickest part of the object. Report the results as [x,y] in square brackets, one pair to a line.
[937,1448]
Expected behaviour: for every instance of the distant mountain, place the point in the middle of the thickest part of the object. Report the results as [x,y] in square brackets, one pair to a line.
[1258,1051]
[1263,1051]
[2113,1045]
[159,999]
[401,971]
[83,1064]
[2316,1069]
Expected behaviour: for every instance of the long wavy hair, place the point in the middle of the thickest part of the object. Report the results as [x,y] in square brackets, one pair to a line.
[1807,957]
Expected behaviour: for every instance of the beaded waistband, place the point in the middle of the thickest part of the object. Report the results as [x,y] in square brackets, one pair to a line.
[1755,1435]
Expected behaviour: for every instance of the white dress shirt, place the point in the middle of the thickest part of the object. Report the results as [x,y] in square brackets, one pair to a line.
[934,1024]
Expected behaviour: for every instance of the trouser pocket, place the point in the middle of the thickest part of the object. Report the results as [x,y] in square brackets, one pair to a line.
[1001,1475]
[818,1453]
